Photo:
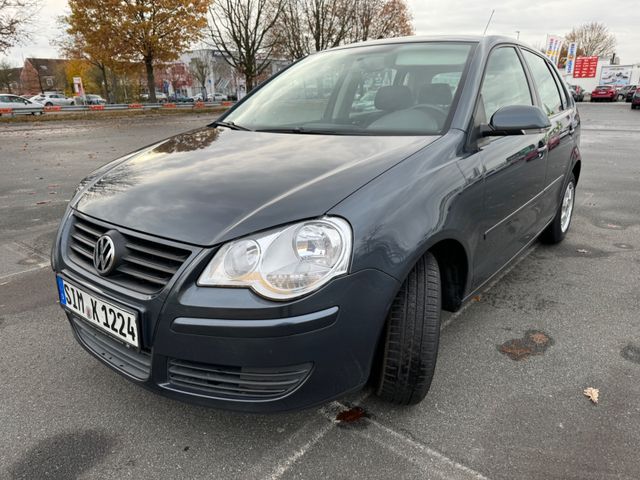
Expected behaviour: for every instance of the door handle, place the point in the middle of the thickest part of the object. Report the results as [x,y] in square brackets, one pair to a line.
[542,150]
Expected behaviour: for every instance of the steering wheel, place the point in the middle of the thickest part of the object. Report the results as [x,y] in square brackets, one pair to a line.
[440,114]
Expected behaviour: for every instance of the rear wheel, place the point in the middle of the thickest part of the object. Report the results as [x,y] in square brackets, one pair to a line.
[411,336]
[48,104]
[559,227]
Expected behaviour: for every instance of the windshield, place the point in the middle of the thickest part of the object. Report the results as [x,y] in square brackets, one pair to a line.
[397,89]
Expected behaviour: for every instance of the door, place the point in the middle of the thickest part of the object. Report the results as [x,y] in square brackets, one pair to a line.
[560,137]
[514,168]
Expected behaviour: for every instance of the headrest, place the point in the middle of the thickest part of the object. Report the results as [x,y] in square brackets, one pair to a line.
[393,97]
[435,94]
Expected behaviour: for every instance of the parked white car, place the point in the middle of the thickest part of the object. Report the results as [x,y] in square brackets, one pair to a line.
[217,97]
[20,104]
[50,99]
[161,97]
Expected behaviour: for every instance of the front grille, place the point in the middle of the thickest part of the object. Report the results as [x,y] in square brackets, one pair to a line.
[137,364]
[147,266]
[236,383]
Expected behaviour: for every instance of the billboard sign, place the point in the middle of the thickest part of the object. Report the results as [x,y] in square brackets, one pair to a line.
[571,57]
[585,67]
[78,88]
[617,75]
[554,45]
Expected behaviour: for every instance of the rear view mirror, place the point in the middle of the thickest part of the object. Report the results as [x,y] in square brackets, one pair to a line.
[514,120]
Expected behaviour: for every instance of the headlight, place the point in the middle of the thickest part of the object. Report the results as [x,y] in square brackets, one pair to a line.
[283,263]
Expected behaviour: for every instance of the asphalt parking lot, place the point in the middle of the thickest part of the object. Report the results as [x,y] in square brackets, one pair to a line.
[64,415]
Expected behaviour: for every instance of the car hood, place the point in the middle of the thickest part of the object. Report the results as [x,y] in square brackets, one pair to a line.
[214,184]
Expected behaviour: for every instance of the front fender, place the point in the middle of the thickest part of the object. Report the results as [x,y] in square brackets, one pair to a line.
[399,215]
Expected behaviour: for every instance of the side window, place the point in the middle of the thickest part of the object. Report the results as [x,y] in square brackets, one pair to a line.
[546,85]
[505,82]
[566,100]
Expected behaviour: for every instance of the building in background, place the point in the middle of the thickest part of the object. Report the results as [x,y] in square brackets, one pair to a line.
[40,75]
[219,76]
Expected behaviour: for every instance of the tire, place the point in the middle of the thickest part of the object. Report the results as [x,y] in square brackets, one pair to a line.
[558,228]
[48,104]
[411,336]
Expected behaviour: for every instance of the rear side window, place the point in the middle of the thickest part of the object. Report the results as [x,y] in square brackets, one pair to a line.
[505,82]
[546,85]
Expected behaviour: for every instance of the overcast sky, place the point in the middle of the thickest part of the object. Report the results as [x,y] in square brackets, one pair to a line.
[533,18]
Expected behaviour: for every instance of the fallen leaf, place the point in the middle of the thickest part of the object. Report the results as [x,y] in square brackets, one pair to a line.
[592,393]
[582,250]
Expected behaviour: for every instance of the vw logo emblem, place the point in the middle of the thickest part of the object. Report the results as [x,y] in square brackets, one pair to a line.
[104,255]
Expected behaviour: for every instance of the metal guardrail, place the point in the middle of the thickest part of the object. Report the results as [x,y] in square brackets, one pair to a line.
[113,107]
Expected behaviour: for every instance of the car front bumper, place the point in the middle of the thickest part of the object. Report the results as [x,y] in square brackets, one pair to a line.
[231,349]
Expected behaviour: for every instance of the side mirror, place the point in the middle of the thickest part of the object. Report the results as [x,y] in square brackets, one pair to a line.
[514,120]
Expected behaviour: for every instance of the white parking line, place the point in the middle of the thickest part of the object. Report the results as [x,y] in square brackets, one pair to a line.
[434,464]
[328,412]
[411,450]
[39,266]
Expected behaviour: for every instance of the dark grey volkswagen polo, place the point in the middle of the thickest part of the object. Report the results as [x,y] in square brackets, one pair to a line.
[305,244]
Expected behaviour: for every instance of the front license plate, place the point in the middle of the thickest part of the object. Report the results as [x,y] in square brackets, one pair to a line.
[113,320]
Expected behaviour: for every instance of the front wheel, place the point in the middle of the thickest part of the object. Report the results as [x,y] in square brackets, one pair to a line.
[412,335]
[558,228]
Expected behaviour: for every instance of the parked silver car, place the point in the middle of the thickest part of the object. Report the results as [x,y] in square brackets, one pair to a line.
[50,99]
[89,99]
[19,105]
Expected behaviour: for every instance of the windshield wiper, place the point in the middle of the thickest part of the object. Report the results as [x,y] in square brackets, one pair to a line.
[283,130]
[311,131]
[231,125]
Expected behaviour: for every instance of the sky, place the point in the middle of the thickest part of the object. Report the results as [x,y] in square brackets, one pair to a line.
[534,19]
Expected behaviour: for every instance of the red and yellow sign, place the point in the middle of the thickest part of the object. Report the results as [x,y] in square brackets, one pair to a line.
[585,67]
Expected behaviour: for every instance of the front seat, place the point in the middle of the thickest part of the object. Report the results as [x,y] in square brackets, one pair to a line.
[435,94]
[396,102]
[393,97]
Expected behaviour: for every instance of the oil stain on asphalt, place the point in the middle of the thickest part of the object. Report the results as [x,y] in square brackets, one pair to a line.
[632,353]
[64,456]
[351,415]
[534,342]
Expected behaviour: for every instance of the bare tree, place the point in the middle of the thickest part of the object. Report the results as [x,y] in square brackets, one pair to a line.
[200,66]
[389,18]
[329,22]
[15,19]
[314,25]
[594,39]
[240,28]
[290,34]
[7,75]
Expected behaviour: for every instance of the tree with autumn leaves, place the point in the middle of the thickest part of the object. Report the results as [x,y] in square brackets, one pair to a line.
[112,33]
[143,31]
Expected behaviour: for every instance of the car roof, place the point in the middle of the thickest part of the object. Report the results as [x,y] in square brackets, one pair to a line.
[487,40]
